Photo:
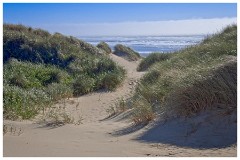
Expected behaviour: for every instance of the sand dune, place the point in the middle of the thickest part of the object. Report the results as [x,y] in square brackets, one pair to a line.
[95,135]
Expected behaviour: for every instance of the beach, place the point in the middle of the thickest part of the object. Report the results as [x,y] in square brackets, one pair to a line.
[96,134]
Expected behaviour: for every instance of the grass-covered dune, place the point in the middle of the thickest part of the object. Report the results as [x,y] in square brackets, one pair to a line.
[41,68]
[190,81]
[105,47]
[126,52]
[151,59]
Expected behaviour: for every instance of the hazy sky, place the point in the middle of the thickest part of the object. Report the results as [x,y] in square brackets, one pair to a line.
[123,19]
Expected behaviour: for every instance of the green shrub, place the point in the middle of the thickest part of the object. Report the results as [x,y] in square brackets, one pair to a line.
[40,68]
[83,84]
[104,46]
[21,103]
[37,45]
[19,80]
[40,32]
[126,52]
[57,91]
[106,74]
[28,75]
[111,81]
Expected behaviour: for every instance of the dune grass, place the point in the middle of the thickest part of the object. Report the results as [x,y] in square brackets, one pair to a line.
[41,68]
[192,80]
[105,47]
[151,59]
[126,52]
[215,90]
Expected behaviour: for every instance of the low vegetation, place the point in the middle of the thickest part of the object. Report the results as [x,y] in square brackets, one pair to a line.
[105,47]
[126,52]
[41,68]
[191,80]
[152,59]
[58,115]
[120,106]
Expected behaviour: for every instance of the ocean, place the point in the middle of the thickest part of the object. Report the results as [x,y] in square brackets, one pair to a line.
[148,44]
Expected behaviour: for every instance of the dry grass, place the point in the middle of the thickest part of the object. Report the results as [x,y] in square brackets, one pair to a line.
[218,89]
[58,115]
[119,107]
[143,112]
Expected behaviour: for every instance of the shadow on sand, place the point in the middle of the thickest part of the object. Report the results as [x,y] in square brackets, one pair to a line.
[118,116]
[203,131]
[49,125]
[128,130]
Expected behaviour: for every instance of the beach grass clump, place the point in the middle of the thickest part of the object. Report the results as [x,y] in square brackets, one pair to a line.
[102,73]
[215,90]
[112,80]
[152,59]
[119,107]
[192,80]
[41,68]
[126,52]
[142,110]
[83,84]
[57,91]
[105,47]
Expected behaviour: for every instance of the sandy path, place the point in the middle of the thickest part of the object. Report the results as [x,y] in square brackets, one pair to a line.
[94,136]
[93,106]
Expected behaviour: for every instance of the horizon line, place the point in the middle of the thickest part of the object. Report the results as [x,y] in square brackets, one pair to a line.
[167,35]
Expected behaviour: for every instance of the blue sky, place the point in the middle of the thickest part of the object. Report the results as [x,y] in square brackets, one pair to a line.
[108,19]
